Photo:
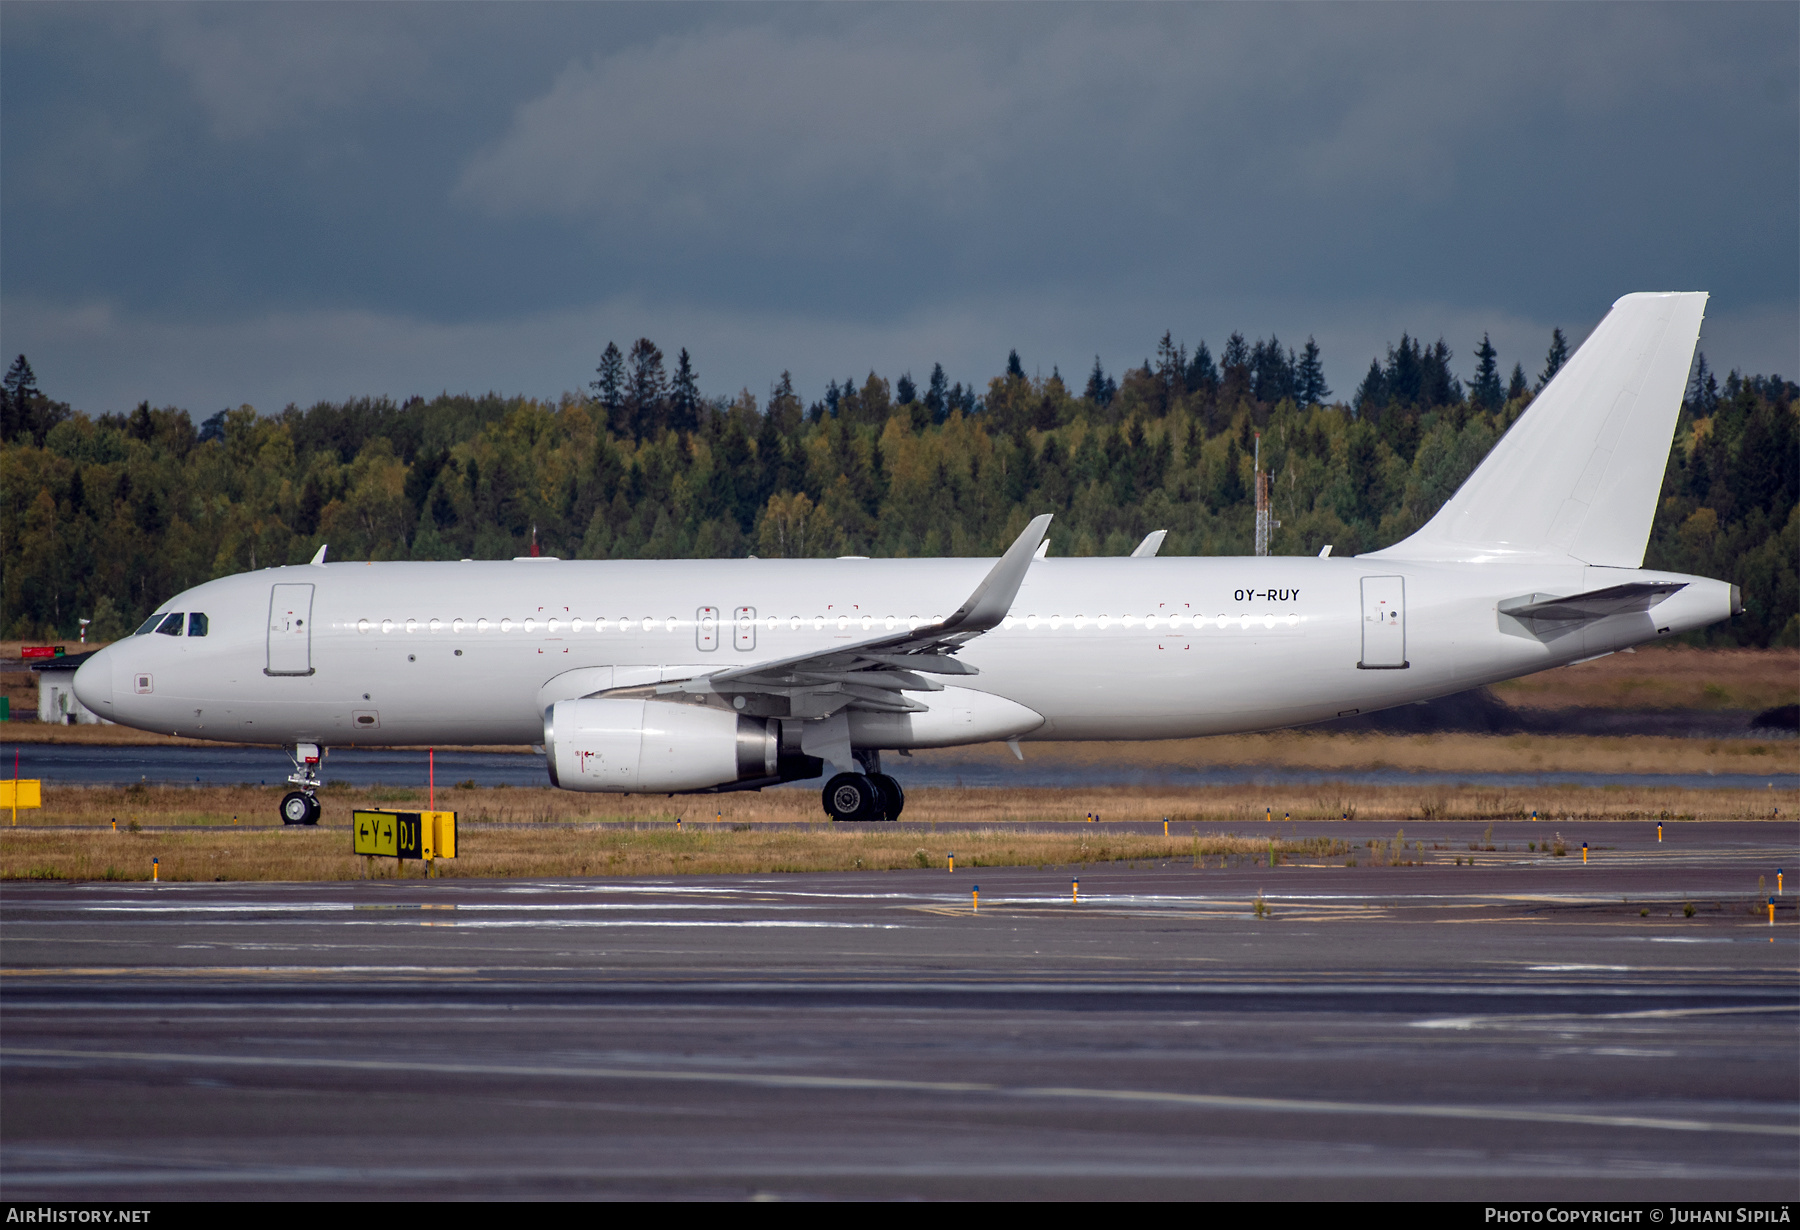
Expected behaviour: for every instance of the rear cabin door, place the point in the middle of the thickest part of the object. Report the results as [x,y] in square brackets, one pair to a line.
[1383,624]
[290,630]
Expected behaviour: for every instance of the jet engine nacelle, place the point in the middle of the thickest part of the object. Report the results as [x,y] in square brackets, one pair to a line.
[626,746]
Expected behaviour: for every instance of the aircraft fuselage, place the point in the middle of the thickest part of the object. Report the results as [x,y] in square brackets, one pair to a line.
[469,653]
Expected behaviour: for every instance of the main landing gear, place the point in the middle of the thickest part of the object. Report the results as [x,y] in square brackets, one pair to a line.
[301,805]
[869,795]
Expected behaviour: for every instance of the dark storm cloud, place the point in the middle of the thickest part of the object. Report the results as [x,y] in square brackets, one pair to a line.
[231,203]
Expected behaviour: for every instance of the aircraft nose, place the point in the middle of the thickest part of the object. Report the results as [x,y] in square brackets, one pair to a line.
[94,682]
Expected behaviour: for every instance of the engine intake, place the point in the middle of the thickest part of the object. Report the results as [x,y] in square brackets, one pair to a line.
[630,746]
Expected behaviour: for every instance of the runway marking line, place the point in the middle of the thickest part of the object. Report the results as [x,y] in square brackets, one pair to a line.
[1647,1014]
[1054,1092]
[210,971]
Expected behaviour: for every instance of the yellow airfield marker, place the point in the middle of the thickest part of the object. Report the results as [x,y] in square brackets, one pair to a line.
[975,898]
[1584,854]
[951,855]
[20,792]
[156,876]
[1075,892]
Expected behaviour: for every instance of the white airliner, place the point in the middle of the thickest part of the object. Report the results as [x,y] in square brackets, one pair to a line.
[712,675]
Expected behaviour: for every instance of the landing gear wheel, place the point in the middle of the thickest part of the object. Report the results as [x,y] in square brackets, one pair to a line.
[851,796]
[298,807]
[893,799]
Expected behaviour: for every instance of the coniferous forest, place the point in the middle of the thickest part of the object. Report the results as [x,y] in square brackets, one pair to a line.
[105,517]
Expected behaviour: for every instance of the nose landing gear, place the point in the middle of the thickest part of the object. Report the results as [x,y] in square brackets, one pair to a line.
[301,806]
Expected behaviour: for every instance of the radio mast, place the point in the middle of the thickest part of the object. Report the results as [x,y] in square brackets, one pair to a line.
[1264,525]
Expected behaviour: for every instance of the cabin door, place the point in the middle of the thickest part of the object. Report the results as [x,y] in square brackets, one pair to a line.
[290,630]
[1383,624]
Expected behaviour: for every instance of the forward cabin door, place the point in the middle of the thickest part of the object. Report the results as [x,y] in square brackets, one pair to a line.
[290,630]
[1383,624]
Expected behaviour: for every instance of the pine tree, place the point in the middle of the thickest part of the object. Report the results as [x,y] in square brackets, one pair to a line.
[1485,390]
[1516,387]
[1101,388]
[1404,373]
[1171,371]
[16,392]
[684,396]
[1202,375]
[648,387]
[1271,371]
[21,381]
[937,394]
[1438,386]
[609,390]
[1234,369]
[1703,389]
[1013,366]
[1559,354]
[1310,388]
[1372,394]
[905,391]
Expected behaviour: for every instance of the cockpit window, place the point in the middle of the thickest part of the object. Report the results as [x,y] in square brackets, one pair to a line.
[171,625]
[197,624]
[149,625]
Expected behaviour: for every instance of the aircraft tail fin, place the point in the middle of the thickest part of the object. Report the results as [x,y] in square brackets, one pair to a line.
[1577,477]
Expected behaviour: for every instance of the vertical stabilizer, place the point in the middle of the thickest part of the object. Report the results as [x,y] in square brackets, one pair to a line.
[1577,477]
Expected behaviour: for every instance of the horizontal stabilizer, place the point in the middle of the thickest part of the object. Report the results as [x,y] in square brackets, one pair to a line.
[1542,613]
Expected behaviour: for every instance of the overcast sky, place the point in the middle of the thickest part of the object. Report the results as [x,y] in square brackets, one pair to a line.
[262,203]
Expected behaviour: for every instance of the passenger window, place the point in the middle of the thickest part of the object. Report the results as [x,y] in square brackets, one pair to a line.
[149,625]
[197,624]
[171,625]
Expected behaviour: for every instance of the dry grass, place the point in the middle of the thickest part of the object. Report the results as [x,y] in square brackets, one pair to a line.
[546,832]
[658,850]
[1308,749]
[1665,677]
[1435,753]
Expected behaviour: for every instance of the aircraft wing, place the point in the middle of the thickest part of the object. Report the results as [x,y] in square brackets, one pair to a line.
[874,674]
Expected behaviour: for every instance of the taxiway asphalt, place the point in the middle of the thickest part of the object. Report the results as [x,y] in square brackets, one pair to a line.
[1517,1031]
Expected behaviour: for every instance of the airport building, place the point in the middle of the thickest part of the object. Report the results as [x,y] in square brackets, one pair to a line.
[56,692]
